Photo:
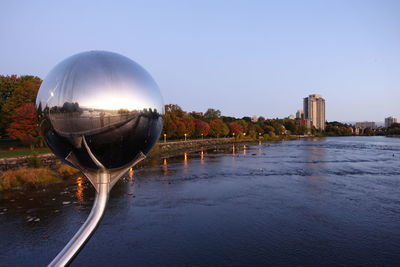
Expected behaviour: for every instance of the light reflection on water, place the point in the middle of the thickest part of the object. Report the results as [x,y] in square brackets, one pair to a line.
[165,167]
[185,160]
[131,177]
[79,189]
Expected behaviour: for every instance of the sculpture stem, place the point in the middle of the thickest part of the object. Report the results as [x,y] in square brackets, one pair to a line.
[87,229]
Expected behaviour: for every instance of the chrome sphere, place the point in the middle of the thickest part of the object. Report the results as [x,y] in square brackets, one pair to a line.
[103,104]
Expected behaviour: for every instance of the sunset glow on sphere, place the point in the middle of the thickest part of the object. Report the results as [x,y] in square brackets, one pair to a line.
[102,103]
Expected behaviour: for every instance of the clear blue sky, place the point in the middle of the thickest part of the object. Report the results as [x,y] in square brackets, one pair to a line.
[242,57]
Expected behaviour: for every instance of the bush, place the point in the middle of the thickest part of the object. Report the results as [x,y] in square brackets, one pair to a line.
[29,177]
[66,171]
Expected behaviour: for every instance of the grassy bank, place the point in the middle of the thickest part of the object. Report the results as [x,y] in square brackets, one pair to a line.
[27,178]
[23,152]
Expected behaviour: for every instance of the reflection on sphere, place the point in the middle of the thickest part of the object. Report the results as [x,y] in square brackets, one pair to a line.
[101,103]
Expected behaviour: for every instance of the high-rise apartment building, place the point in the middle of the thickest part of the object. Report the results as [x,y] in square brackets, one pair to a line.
[389,121]
[314,111]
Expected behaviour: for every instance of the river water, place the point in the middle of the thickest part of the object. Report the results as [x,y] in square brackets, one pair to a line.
[325,201]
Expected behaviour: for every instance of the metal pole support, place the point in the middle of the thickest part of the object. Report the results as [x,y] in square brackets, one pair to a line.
[87,229]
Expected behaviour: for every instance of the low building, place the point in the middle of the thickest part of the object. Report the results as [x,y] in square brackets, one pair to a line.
[301,122]
[389,121]
[300,114]
[366,124]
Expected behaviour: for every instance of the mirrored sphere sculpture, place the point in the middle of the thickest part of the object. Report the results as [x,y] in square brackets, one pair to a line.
[100,109]
[101,113]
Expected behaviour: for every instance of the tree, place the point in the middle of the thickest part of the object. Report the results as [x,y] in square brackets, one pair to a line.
[290,125]
[246,119]
[228,119]
[212,114]
[174,110]
[244,125]
[7,87]
[24,125]
[368,131]
[25,91]
[177,122]
[170,127]
[218,128]
[336,128]
[235,128]
[301,130]
[269,129]
[180,128]
[189,125]
[253,130]
[201,128]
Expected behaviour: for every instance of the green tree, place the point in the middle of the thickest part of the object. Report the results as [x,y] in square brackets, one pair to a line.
[301,129]
[261,120]
[212,114]
[269,129]
[218,128]
[290,125]
[368,131]
[394,129]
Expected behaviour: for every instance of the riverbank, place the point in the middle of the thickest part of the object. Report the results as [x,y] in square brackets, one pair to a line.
[35,178]
[38,171]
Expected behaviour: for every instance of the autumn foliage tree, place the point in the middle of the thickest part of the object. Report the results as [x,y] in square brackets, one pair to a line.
[14,93]
[177,122]
[235,128]
[24,126]
[202,128]
[218,128]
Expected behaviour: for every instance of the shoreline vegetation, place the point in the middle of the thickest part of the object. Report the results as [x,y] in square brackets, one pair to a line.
[34,174]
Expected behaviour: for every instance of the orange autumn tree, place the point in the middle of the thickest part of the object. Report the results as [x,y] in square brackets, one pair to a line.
[202,128]
[235,128]
[24,126]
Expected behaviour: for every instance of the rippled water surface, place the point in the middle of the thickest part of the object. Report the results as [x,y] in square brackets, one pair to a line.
[328,201]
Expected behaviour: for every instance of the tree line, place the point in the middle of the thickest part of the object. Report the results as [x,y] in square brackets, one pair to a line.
[178,123]
[18,119]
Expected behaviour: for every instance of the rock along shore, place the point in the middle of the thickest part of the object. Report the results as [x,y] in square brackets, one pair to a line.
[160,150]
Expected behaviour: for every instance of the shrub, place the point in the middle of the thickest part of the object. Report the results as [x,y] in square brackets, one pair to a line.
[67,171]
[30,177]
